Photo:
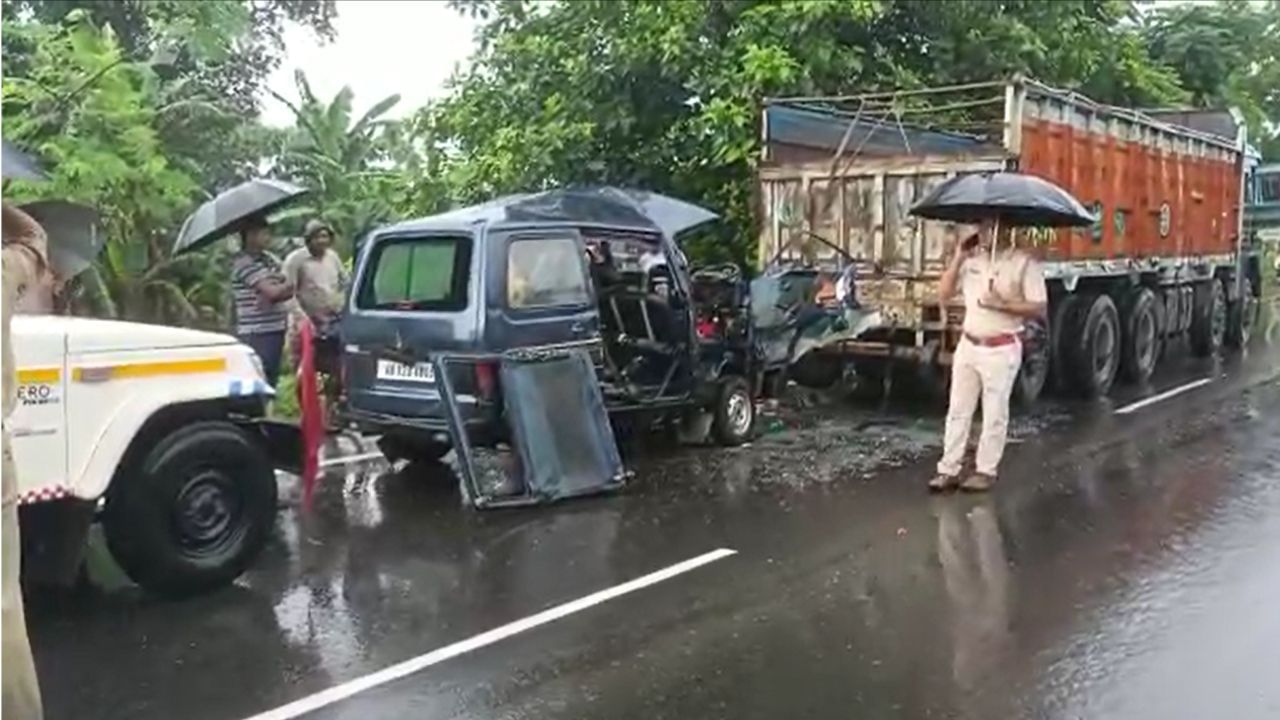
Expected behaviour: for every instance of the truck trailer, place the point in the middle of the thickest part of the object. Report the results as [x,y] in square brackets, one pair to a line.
[1166,260]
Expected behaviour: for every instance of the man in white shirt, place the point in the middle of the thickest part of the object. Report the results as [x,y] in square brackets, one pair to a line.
[999,295]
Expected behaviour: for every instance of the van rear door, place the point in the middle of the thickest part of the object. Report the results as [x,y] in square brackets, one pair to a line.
[540,291]
[413,295]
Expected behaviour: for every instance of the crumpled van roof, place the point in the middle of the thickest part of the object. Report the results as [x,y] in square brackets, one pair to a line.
[599,207]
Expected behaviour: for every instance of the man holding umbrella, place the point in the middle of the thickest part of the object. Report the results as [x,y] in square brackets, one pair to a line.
[261,294]
[1003,287]
[258,285]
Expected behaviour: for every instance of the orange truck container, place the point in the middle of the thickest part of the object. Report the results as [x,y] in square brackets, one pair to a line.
[1165,260]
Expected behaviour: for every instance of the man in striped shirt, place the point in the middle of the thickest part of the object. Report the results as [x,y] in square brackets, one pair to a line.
[261,295]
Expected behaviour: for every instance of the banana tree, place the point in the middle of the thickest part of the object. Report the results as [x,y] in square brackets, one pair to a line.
[344,162]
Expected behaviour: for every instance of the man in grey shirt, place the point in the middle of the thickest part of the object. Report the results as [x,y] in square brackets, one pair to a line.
[261,294]
[320,280]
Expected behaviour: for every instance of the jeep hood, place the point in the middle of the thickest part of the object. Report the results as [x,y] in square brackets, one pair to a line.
[90,336]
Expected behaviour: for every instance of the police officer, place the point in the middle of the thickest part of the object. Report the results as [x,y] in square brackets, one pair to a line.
[26,276]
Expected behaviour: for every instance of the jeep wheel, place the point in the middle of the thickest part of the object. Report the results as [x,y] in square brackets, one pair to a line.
[735,412]
[191,513]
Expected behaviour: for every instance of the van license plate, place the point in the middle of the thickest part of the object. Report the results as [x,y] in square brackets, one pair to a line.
[421,372]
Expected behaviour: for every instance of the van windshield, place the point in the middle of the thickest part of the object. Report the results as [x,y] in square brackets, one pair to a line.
[424,273]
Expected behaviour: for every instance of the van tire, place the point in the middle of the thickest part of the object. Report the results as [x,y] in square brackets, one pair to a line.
[423,451]
[735,412]
[192,512]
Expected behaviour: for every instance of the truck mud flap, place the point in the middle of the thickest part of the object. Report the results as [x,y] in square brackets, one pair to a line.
[562,445]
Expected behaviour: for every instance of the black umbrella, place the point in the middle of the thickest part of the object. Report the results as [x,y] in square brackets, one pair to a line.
[75,235]
[18,165]
[226,212]
[1013,199]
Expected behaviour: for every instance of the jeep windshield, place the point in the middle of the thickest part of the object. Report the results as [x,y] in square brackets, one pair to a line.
[417,273]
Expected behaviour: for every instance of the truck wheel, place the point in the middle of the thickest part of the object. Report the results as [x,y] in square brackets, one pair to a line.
[1142,330]
[1064,314]
[1244,316]
[1093,347]
[735,412]
[192,512]
[816,370]
[415,450]
[1033,374]
[1209,318]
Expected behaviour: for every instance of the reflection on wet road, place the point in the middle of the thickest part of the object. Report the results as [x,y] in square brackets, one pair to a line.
[1127,567]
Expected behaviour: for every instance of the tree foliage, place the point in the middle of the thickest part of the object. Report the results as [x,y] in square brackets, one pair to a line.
[91,114]
[665,93]
[144,108]
[1226,54]
[345,161]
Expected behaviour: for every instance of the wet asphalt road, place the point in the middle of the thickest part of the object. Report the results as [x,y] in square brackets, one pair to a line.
[1128,566]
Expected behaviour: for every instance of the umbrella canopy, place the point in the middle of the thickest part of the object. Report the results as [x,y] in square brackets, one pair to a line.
[75,237]
[18,165]
[1013,199]
[226,212]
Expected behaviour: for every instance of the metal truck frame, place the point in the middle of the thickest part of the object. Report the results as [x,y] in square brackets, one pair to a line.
[1166,260]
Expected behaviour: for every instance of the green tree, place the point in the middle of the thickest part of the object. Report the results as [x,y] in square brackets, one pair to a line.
[212,59]
[345,161]
[1226,54]
[666,93]
[90,113]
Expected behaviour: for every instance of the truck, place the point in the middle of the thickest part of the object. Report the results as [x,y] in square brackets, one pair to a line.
[1165,261]
[157,433]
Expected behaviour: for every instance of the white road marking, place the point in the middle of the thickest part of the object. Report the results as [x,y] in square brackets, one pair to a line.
[348,459]
[435,657]
[1163,396]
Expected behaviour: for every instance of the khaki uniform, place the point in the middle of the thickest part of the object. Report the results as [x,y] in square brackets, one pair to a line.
[24,268]
[987,373]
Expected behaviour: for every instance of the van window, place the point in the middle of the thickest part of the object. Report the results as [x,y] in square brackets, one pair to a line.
[546,272]
[429,273]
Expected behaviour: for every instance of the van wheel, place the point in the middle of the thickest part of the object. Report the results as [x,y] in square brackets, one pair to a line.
[1092,347]
[1208,319]
[1142,332]
[414,450]
[191,513]
[735,412]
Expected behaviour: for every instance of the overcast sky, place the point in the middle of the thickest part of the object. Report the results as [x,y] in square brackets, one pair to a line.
[383,47]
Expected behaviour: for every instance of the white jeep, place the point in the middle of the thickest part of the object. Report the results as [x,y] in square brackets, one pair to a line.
[156,431]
